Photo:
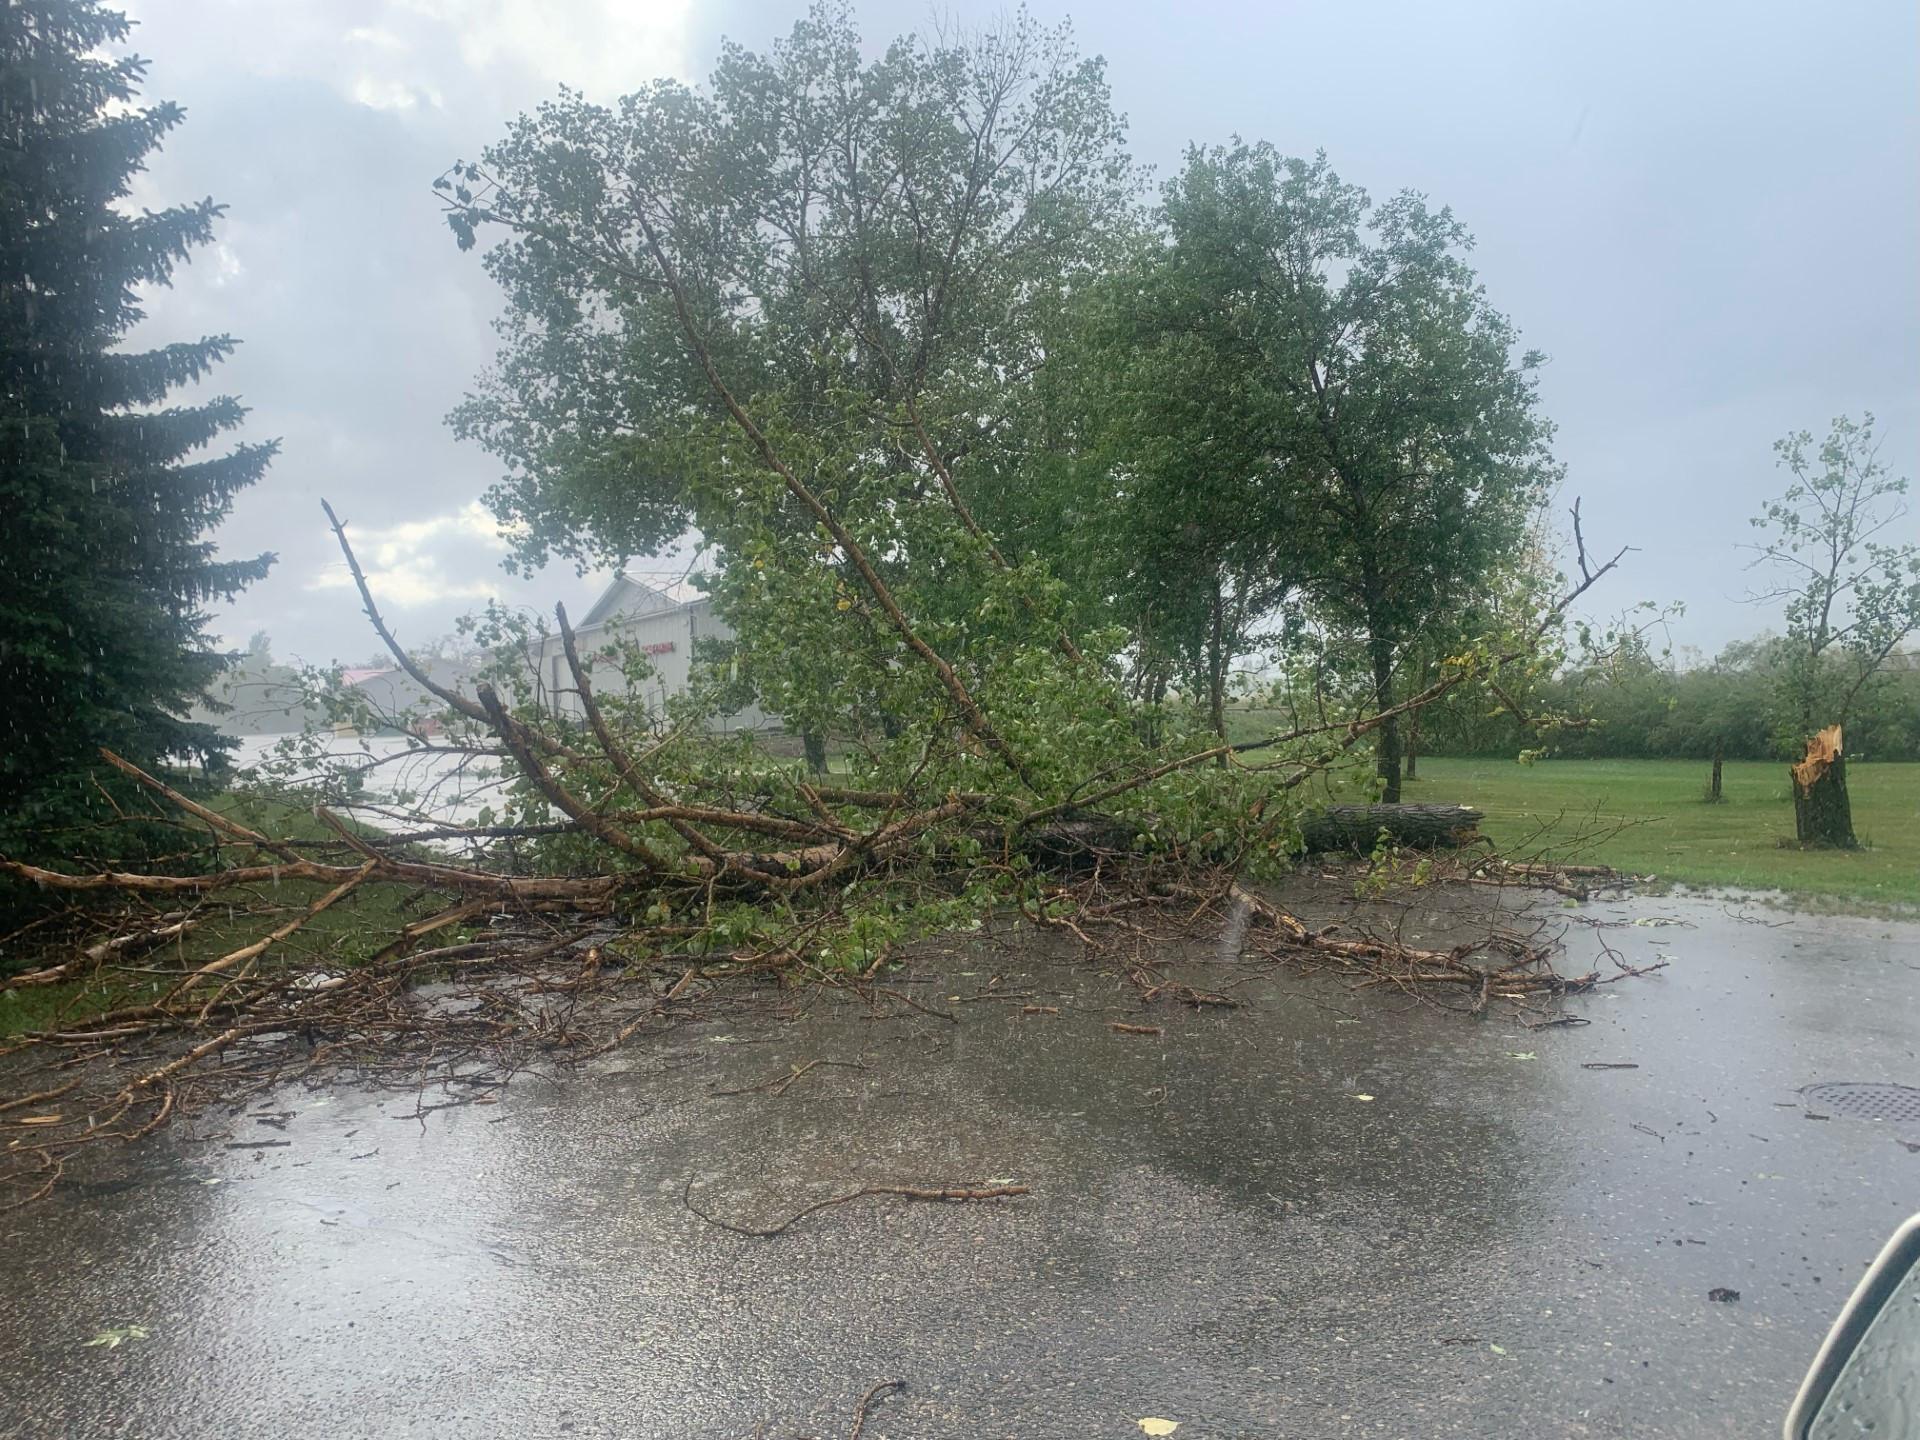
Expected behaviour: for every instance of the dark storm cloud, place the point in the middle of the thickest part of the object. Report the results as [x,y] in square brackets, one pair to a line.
[1705,215]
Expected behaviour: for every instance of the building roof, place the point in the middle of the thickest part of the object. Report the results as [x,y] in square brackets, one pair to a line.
[625,596]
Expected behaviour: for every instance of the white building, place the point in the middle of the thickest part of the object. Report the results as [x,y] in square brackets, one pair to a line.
[664,630]
[256,697]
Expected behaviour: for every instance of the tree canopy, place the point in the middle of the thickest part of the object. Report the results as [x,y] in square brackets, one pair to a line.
[1850,599]
[866,254]
[1319,403]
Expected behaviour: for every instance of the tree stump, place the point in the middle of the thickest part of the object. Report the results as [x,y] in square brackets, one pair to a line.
[1822,813]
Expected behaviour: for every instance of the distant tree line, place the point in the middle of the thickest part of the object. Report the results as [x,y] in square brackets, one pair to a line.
[1840,682]
[1642,705]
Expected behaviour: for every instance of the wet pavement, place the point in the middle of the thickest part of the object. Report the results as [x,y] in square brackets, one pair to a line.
[1223,1230]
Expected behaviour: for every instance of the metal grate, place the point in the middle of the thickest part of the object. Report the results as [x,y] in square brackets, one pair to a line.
[1860,1101]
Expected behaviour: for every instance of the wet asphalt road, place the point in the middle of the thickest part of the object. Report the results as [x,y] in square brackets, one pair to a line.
[1221,1233]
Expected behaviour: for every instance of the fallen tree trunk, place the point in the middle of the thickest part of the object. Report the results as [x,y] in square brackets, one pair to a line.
[1071,844]
[1358,828]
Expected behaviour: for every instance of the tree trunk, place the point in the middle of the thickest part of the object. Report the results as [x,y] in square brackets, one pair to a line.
[1358,828]
[1388,762]
[1354,829]
[1217,669]
[1153,690]
[1413,745]
[1719,756]
[1822,813]
[816,748]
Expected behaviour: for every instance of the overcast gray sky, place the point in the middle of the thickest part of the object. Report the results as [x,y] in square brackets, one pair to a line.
[1707,215]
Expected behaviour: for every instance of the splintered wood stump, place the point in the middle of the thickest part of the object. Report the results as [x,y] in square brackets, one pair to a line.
[1822,813]
[1357,828]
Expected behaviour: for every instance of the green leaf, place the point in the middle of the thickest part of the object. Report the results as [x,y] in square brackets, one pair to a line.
[113,1339]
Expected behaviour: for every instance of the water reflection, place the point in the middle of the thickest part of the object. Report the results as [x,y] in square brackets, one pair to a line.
[1219,1230]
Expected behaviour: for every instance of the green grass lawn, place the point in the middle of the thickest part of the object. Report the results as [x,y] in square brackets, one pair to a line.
[1649,818]
[1676,836]
[337,938]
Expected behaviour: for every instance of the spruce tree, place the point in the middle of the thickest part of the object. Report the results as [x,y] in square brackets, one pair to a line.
[108,494]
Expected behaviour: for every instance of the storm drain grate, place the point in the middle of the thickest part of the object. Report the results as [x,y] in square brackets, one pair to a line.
[1861,1101]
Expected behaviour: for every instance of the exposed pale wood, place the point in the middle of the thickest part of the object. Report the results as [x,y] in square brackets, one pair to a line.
[1822,810]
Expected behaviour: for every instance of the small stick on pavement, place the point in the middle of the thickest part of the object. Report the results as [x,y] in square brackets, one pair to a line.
[1126,1029]
[38,1096]
[860,1415]
[905,1192]
[52,1166]
[923,1009]
[778,1085]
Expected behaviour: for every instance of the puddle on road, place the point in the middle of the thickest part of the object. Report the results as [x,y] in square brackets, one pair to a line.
[1504,1237]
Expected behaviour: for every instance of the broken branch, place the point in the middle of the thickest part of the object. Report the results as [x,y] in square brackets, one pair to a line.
[954,1194]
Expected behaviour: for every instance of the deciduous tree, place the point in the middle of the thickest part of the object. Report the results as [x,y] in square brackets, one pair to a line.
[1851,594]
[1355,404]
[867,252]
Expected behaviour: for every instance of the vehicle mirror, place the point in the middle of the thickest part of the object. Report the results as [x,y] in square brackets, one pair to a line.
[1866,1378]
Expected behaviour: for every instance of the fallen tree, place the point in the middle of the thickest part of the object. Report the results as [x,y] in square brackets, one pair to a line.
[997,764]
[1359,828]
[657,851]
